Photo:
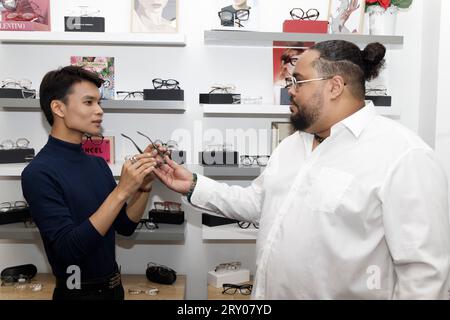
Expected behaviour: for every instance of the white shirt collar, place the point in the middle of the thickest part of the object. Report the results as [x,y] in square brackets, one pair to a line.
[359,120]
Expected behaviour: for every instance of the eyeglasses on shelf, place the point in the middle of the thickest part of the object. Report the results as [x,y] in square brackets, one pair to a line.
[20,143]
[246,225]
[172,84]
[235,265]
[147,223]
[24,85]
[300,14]
[168,206]
[230,18]
[130,95]
[229,288]
[247,160]
[376,91]
[7,207]
[96,140]
[222,88]
[148,291]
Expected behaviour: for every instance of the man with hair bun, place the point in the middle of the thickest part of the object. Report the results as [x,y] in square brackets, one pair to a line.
[352,205]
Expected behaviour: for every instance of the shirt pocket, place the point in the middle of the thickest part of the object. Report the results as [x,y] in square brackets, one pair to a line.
[327,189]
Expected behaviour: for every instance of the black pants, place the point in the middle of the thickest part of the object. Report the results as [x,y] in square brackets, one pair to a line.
[116,293]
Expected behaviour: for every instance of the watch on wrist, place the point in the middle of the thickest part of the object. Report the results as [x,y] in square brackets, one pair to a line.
[192,188]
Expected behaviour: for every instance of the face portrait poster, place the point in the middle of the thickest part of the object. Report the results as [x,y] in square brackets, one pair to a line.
[346,16]
[154,16]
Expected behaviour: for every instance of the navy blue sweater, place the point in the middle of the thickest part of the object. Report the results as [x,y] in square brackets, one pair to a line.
[64,187]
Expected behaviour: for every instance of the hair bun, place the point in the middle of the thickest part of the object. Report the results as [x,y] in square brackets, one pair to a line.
[373,57]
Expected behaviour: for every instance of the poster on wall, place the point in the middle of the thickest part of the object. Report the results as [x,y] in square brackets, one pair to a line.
[104,67]
[346,16]
[236,15]
[25,15]
[154,16]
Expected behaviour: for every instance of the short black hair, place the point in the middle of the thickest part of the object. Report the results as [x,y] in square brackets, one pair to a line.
[338,57]
[58,84]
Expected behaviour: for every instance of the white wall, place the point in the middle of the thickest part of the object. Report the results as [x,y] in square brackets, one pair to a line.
[196,67]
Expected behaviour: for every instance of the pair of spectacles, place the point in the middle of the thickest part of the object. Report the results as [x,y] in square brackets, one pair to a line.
[83,11]
[148,223]
[95,140]
[300,14]
[246,225]
[376,91]
[230,18]
[130,94]
[168,84]
[292,81]
[229,288]
[235,265]
[7,207]
[24,85]
[148,291]
[222,88]
[20,143]
[15,280]
[155,147]
[170,145]
[168,206]
[247,160]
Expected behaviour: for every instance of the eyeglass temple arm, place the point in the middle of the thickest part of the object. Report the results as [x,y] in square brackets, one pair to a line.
[153,144]
[137,147]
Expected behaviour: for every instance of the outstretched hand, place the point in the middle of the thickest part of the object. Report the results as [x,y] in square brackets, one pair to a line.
[174,176]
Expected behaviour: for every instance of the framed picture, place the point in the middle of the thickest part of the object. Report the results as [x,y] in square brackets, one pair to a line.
[346,16]
[25,15]
[154,16]
[280,130]
[236,15]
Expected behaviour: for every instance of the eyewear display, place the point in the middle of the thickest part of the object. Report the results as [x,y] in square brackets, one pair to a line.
[23,84]
[126,95]
[235,265]
[299,14]
[148,223]
[20,143]
[96,140]
[376,91]
[222,88]
[292,81]
[247,160]
[7,207]
[148,291]
[168,206]
[246,225]
[83,11]
[230,18]
[229,288]
[168,84]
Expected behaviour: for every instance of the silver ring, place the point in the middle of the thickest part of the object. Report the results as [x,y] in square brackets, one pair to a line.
[133,160]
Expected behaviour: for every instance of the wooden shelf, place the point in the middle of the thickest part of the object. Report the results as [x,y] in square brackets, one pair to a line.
[285,39]
[92,38]
[148,106]
[166,232]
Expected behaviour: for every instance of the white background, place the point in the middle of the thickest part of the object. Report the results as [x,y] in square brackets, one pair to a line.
[412,76]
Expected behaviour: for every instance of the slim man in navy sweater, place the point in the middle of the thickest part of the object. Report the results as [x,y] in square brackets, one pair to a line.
[74,199]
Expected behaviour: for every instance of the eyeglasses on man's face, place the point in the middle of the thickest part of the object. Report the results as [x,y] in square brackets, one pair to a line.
[247,160]
[235,265]
[20,143]
[300,14]
[95,140]
[127,95]
[168,84]
[7,207]
[293,82]
[229,288]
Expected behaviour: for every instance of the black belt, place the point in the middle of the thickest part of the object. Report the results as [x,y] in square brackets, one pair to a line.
[106,283]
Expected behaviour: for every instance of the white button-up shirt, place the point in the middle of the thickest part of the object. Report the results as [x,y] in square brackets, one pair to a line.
[362,216]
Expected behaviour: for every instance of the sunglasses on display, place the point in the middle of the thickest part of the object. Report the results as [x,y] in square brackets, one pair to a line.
[171,84]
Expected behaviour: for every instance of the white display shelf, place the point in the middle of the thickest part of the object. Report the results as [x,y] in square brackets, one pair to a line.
[229,232]
[267,39]
[148,106]
[266,111]
[245,110]
[232,172]
[165,232]
[93,38]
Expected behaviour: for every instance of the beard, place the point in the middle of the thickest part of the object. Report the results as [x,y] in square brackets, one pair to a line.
[307,113]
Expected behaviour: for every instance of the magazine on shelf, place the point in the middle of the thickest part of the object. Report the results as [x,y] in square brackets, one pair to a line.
[104,67]
[25,15]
